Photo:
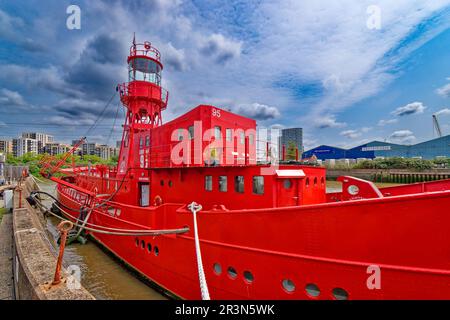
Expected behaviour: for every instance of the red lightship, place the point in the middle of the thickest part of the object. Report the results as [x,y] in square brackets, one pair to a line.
[265,231]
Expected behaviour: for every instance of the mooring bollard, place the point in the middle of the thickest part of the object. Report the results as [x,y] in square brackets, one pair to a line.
[64,227]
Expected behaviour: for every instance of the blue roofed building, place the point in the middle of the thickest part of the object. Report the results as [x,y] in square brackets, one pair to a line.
[431,149]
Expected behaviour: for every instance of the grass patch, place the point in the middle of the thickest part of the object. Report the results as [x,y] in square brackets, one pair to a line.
[2,211]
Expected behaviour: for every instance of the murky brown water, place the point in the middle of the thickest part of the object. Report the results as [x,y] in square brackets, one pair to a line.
[103,276]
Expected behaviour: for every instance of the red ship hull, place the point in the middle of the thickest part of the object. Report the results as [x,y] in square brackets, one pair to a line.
[323,248]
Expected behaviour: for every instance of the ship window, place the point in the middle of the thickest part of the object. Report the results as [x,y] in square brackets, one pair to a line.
[217,268]
[170,183]
[288,285]
[125,139]
[340,294]
[208,183]
[136,240]
[258,185]
[251,139]
[312,290]
[307,182]
[147,141]
[241,138]
[229,134]
[223,183]
[232,273]
[217,132]
[149,247]
[287,183]
[161,183]
[143,244]
[239,184]
[191,132]
[156,251]
[322,180]
[315,181]
[141,142]
[248,276]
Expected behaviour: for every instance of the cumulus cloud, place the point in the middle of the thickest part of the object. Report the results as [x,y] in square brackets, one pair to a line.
[402,136]
[174,58]
[220,48]
[445,111]
[328,121]
[257,111]
[444,91]
[351,134]
[9,98]
[383,122]
[409,109]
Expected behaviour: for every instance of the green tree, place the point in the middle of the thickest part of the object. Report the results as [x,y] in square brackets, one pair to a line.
[291,151]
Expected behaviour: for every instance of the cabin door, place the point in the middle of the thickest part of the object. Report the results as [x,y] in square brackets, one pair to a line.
[144,194]
[288,195]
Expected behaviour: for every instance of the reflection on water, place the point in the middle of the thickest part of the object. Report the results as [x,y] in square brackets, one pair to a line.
[104,277]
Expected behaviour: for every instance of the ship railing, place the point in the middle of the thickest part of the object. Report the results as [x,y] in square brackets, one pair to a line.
[152,91]
[146,50]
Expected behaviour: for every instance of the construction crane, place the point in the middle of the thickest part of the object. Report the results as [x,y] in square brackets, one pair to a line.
[436,126]
[50,165]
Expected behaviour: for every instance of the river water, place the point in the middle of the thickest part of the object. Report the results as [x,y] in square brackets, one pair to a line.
[101,275]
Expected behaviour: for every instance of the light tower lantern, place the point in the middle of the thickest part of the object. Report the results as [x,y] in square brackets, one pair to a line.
[143,95]
[144,100]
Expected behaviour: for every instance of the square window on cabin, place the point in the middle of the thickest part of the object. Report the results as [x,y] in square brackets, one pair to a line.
[191,132]
[218,132]
[141,142]
[208,183]
[229,134]
[258,185]
[147,141]
[223,184]
[239,184]
[251,139]
[241,137]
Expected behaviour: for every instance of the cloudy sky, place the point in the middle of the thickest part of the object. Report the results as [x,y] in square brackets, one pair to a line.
[347,71]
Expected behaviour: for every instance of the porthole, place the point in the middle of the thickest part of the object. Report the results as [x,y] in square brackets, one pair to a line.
[353,190]
[340,294]
[307,182]
[217,268]
[149,247]
[161,183]
[287,183]
[156,251]
[288,285]
[312,290]
[315,181]
[232,273]
[248,276]
[137,242]
[170,183]
[143,244]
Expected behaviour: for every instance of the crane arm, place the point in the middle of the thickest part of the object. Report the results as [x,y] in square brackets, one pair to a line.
[48,165]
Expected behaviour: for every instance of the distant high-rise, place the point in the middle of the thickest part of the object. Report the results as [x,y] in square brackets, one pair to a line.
[42,139]
[290,135]
[5,146]
[22,146]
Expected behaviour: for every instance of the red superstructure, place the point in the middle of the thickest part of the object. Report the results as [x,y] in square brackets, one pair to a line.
[266,231]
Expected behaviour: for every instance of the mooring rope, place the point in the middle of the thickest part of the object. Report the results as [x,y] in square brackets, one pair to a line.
[111,231]
[194,207]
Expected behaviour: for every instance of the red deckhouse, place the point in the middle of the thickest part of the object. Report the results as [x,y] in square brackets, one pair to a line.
[266,231]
